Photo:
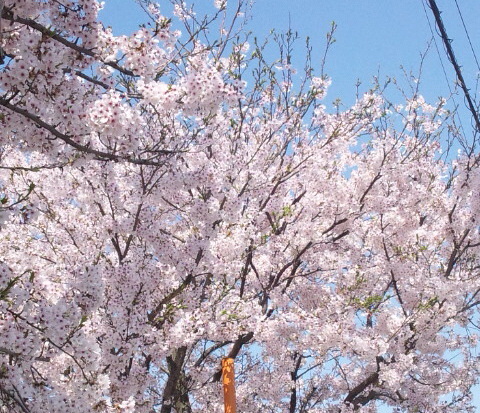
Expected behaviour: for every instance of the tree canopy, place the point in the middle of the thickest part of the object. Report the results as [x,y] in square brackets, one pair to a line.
[170,199]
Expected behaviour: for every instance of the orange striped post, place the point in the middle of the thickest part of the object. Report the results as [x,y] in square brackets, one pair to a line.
[228,374]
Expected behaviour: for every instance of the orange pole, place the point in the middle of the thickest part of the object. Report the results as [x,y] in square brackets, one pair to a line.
[228,373]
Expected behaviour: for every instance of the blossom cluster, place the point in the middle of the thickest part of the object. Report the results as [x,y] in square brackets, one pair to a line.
[158,215]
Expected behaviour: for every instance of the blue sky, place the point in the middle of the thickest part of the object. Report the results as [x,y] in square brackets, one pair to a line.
[373,37]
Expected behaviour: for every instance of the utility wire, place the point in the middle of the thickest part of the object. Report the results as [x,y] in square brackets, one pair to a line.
[437,49]
[468,36]
[443,68]
[453,60]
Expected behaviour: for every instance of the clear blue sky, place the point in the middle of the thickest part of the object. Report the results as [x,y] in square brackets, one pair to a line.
[373,37]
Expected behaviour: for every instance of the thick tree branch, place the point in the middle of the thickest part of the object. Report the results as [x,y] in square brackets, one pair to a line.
[175,393]
[353,394]
[68,139]
[237,346]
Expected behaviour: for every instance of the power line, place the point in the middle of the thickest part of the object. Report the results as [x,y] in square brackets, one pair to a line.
[468,36]
[437,49]
[443,67]
[453,60]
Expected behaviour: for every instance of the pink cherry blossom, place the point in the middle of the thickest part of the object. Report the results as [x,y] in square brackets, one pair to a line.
[166,202]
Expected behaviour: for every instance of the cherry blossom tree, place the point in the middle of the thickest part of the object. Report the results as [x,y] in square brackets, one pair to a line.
[170,199]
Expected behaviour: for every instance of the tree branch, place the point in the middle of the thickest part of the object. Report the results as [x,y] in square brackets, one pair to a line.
[8,14]
[100,155]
